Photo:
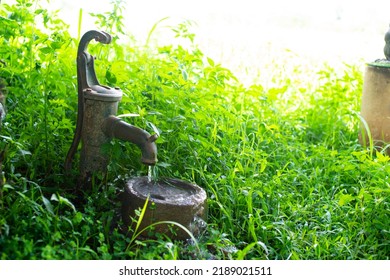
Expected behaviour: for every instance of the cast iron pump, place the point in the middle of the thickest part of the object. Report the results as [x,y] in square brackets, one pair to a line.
[96,120]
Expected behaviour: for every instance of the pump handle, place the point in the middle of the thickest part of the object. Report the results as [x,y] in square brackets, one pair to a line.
[86,77]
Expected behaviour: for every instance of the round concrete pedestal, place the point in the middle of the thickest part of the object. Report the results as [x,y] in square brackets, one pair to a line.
[169,200]
[375,108]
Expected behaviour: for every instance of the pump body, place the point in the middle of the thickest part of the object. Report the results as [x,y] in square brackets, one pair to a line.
[96,122]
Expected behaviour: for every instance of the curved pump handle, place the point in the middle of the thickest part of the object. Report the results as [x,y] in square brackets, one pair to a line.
[86,77]
[99,36]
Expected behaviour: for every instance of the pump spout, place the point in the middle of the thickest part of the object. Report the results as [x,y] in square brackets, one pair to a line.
[116,128]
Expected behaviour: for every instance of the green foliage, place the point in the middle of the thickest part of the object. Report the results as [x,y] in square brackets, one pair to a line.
[281,164]
[36,69]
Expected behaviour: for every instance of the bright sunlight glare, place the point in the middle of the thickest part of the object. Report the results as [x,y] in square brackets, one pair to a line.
[245,35]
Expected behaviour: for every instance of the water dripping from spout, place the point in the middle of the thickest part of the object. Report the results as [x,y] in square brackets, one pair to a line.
[150,174]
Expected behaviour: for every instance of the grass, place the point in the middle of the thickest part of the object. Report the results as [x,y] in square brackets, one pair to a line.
[280,161]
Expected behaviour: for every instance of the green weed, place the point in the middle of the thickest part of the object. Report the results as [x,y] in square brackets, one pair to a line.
[285,175]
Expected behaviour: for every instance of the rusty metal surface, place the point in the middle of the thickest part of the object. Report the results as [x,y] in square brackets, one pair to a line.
[86,77]
[96,122]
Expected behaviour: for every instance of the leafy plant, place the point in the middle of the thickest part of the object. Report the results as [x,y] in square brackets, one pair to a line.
[285,175]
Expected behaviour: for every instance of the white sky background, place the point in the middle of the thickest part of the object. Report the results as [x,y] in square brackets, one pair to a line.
[247,34]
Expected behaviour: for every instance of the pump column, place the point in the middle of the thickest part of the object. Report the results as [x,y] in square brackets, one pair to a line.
[99,103]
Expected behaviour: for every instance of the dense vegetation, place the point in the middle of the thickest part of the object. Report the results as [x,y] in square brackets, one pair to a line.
[285,175]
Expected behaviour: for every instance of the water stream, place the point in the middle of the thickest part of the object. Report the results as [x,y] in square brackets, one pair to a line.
[152,174]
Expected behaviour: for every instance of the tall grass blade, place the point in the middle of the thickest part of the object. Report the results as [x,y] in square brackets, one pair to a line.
[142,214]
[366,134]
[153,29]
[79,24]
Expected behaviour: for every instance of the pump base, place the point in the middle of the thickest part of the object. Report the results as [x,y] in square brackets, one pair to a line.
[172,205]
